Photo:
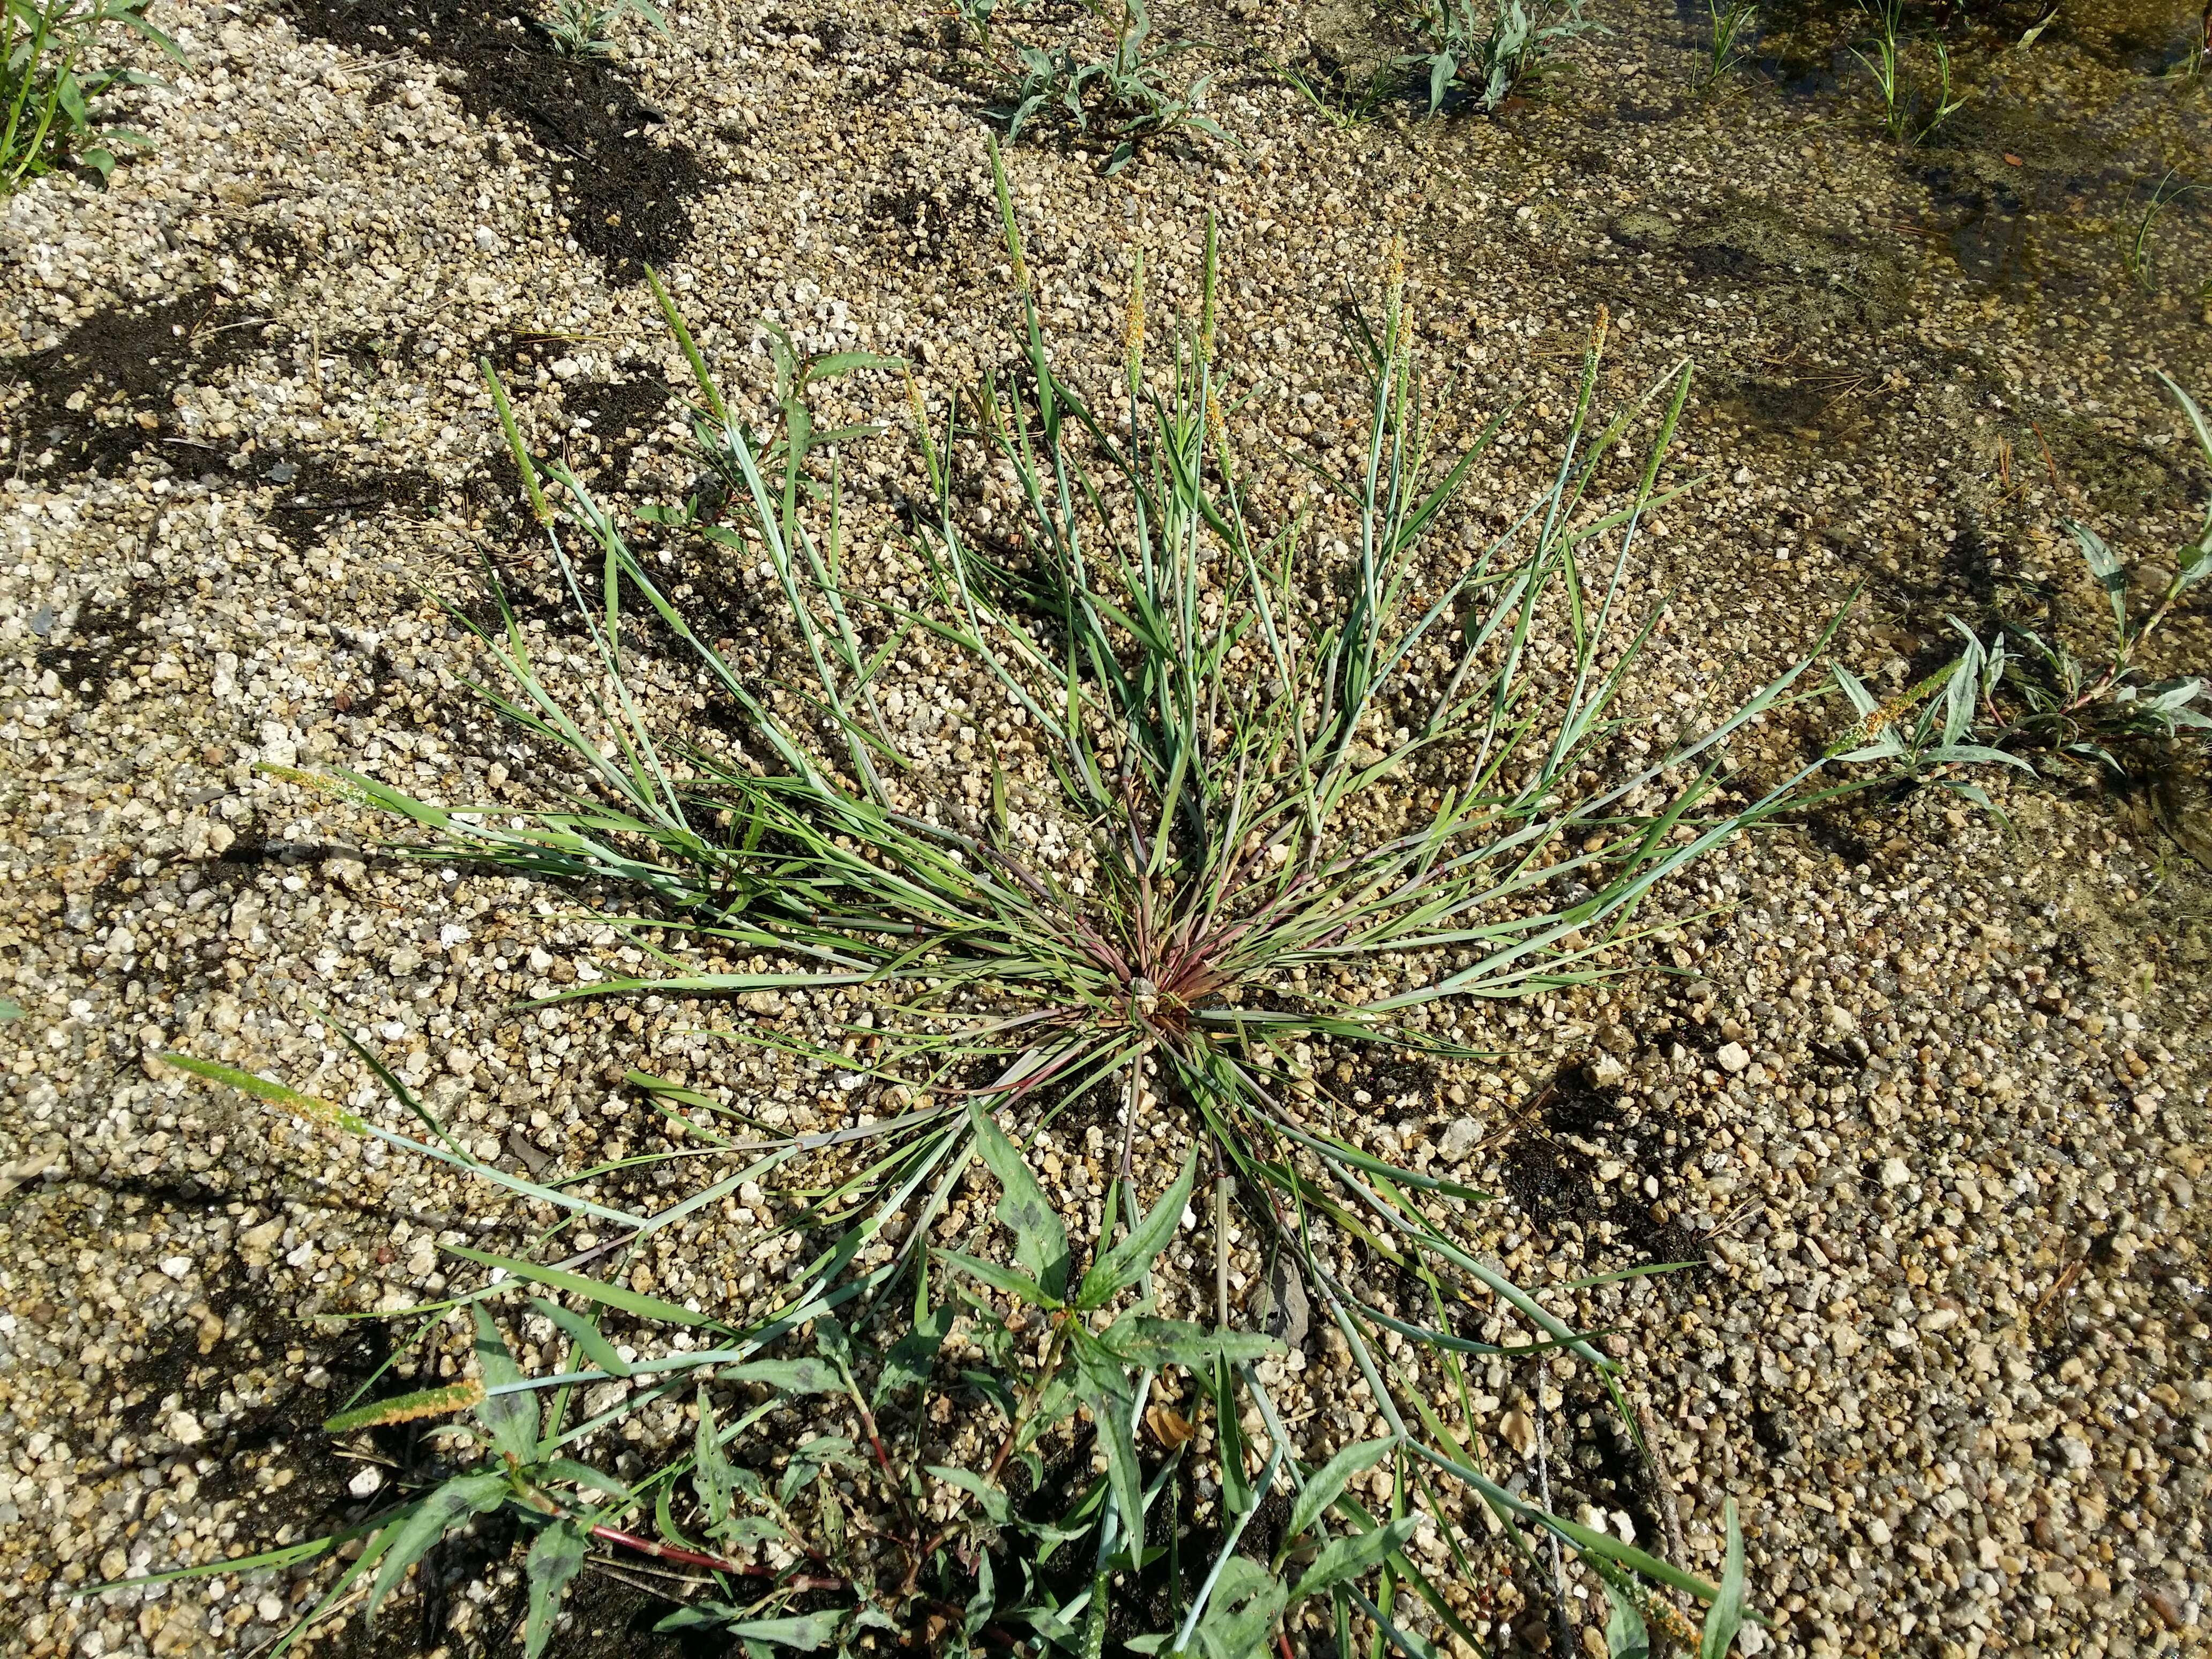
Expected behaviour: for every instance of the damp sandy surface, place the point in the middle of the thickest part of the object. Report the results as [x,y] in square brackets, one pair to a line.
[1923,1102]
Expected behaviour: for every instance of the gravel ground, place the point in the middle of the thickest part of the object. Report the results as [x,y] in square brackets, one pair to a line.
[1924,1104]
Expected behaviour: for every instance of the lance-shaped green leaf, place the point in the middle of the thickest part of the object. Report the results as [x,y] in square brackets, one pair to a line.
[1012,1283]
[712,1477]
[993,1500]
[511,1419]
[1040,1241]
[1125,1264]
[1626,1636]
[1146,1340]
[1725,1617]
[1246,1600]
[411,1539]
[1103,1383]
[791,1376]
[1329,1482]
[914,1356]
[1345,1559]
[553,1560]
[2104,565]
[583,1476]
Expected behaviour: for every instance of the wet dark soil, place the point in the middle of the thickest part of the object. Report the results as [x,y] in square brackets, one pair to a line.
[1551,1174]
[625,188]
[99,397]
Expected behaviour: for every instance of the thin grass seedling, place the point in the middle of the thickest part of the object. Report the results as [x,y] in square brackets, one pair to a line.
[1337,98]
[1943,106]
[1884,58]
[2163,195]
[1731,20]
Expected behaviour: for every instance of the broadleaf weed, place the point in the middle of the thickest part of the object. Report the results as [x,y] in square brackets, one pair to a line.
[47,89]
[2017,694]
[1488,55]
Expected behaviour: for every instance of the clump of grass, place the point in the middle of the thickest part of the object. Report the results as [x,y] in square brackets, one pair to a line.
[1491,54]
[1307,798]
[2018,695]
[47,87]
[1123,98]
[1911,113]
[1724,46]
[585,28]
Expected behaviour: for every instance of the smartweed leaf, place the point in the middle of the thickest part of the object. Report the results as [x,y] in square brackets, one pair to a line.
[990,1497]
[1145,1340]
[463,1495]
[1329,1480]
[511,1419]
[711,1474]
[914,1356]
[791,1376]
[1125,1264]
[1103,1383]
[582,1476]
[1040,1241]
[2104,565]
[804,1633]
[1246,1600]
[1346,1558]
[1002,1278]
[552,1562]
[1626,1635]
[830,1338]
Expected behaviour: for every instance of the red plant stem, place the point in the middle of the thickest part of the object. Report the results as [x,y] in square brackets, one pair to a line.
[712,1563]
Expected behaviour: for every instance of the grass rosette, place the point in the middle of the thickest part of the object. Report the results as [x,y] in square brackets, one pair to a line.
[1269,771]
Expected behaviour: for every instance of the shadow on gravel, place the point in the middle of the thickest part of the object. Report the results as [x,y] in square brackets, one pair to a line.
[626,196]
[102,394]
[104,399]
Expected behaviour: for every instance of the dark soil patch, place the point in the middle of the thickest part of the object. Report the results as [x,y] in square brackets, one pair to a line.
[1600,1464]
[98,645]
[623,414]
[1551,1173]
[931,228]
[319,494]
[626,198]
[257,1335]
[102,394]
